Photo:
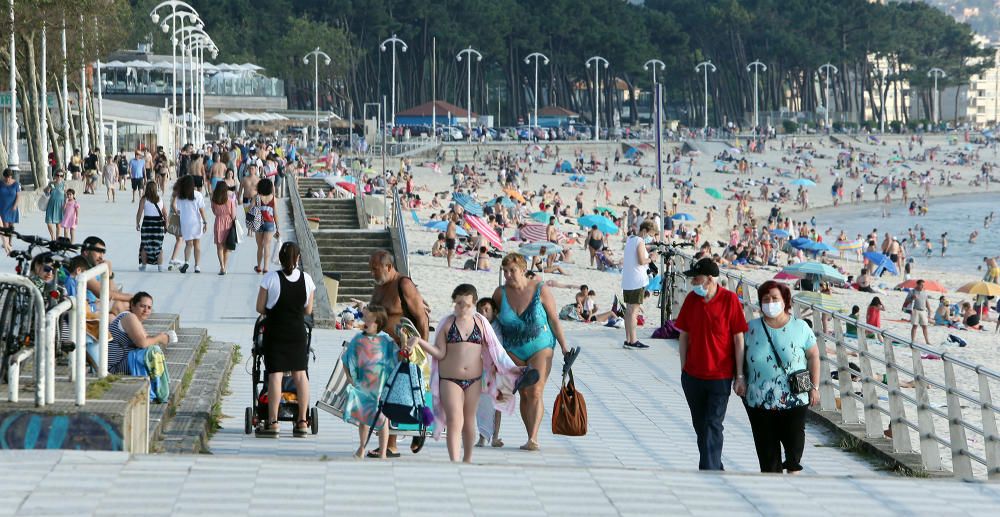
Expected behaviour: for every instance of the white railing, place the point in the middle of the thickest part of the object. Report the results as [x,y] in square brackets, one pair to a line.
[49,339]
[941,382]
[80,309]
[399,223]
[14,368]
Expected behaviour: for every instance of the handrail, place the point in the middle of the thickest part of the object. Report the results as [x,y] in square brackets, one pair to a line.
[14,373]
[398,223]
[323,311]
[51,331]
[80,308]
[970,433]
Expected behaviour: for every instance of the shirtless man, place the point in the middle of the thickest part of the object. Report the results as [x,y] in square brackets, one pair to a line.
[400,298]
[450,236]
[552,235]
[198,171]
[218,172]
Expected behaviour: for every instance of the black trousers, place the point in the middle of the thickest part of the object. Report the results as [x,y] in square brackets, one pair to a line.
[774,429]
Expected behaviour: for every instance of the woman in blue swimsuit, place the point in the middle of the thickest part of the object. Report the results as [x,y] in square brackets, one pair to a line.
[529,323]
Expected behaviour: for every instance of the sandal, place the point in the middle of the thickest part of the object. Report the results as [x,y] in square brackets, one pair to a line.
[569,359]
[388,454]
[417,444]
[497,443]
[529,377]
[270,430]
[301,429]
[530,446]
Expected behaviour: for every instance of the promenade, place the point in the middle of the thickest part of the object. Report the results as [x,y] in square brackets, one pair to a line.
[639,456]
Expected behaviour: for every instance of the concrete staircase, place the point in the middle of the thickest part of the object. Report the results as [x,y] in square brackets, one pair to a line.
[333,214]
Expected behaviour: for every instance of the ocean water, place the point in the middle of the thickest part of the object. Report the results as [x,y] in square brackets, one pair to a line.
[957,215]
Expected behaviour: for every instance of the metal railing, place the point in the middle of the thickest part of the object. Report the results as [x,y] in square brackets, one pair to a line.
[952,398]
[38,319]
[398,223]
[80,309]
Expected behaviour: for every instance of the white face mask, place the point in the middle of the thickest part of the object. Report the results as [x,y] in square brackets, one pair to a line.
[773,309]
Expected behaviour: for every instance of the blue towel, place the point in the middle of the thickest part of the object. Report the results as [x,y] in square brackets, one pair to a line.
[150,362]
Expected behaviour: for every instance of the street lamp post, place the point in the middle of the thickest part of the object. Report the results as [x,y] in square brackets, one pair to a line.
[200,42]
[187,38]
[597,60]
[828,68]
[936,73]
[468,83]
[884,92]
[653,64]
[527,60]
[43,113]
[705,66]
[402,45]
[65,102]
[12,155]
[84,126]
[757,67]
[317,53]
[172,29]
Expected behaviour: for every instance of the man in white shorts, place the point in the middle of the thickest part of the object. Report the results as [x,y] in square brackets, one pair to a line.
[919,310]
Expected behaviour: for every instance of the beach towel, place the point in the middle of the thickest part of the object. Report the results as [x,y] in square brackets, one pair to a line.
[499,374]
[150,362]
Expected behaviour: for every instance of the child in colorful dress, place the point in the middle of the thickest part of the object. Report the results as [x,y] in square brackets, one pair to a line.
[71,215]
[371,357]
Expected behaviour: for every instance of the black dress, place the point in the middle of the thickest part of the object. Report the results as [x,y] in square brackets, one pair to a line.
[285,347]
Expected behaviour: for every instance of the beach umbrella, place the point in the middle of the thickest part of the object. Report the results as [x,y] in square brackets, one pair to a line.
[804,182]
[646,147]
[566,166]
[470,205]
[514,194]
[484,229]
[535,232]
[606,210]
[502,201]
[881,262]
[603,223]
[785,276]
[542,217]
[929,285]
[719,163]
[980,287]
[714,193]
[799,242]
[442,226]
[818,247]
[779,233]
[849,245]
[817,269]
[534,249]
[820,300]
[681,216]
[350,187]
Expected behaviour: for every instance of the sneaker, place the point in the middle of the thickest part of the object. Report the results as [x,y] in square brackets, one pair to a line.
[197,269]
[142,267]
[184,268]
[159,268]
[638,345]
[175,262]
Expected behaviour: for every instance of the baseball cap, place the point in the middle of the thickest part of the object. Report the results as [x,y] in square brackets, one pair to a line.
[705,266]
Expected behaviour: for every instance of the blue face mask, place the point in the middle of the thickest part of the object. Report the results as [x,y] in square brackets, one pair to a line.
[699,290]
[648,239]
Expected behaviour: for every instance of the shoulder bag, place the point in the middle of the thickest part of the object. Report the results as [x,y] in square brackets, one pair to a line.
[174,223]
[254,217]
[569,413]
[799,381]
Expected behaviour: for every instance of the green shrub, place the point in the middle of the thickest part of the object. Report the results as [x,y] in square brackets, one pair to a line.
[790,126]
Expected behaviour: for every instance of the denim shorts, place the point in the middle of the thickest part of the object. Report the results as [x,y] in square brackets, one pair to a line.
[267,226]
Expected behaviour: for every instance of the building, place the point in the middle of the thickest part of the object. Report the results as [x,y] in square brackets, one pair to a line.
[555,116]
[437,112]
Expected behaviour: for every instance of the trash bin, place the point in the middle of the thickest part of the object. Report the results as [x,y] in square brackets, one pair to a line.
[332,282]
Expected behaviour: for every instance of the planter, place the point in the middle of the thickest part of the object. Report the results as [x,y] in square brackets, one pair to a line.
[313,223]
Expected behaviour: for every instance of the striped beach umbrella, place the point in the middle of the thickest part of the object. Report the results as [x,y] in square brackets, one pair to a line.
[534,232]
[849,245]
[820,300]
[484,229]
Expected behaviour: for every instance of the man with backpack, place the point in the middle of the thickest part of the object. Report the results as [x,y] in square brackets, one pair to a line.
[122,161]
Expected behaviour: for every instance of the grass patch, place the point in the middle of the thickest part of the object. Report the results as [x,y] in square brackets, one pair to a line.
[216,416]
[859,447]
[98,388]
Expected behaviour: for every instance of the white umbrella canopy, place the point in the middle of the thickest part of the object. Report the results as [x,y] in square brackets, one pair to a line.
[224,117]
[114,64]
[145,65]
[251,67]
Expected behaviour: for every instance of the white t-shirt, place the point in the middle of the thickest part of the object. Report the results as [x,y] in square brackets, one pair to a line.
[633,274]
[272,283]
[149,209]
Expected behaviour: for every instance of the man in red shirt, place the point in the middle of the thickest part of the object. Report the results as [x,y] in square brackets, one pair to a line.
[712,324]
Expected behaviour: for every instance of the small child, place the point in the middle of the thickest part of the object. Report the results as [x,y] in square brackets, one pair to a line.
[71,215]
[371,357]
[488,308]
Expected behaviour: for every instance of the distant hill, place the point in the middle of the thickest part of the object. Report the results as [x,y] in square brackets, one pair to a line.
[982,15]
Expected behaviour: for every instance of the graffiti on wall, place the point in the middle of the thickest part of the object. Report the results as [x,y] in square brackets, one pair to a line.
[78,431]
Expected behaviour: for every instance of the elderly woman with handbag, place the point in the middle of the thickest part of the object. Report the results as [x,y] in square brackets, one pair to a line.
[782,369]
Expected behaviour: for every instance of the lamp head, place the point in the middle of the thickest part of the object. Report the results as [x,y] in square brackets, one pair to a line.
[327,61]
[200,25]
[155,17]
[305,59]
[164,27]
[181,46]
[382,46]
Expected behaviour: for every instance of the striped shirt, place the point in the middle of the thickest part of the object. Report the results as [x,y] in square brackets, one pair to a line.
[119,346]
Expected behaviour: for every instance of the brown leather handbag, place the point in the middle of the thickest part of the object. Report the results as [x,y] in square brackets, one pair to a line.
[569,414]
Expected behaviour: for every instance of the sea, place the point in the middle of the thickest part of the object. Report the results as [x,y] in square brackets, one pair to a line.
[958,215]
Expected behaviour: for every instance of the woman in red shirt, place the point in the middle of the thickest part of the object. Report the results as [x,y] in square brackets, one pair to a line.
[874,315]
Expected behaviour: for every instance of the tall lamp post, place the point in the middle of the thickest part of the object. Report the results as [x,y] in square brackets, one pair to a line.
[393,41]
[828,68]
[65,102]
[936,73]
[653,64]
[13,158]
[468,83]
[757,67]
[527,60]
[200,42]
[597,60]
[185,37]
[317,53]
[43,112]
[173,18]
[705,66]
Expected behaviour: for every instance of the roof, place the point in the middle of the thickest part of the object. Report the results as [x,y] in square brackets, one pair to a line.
[427,109]
[556,111]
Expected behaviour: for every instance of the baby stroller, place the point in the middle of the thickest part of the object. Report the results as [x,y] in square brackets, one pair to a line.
[288,409]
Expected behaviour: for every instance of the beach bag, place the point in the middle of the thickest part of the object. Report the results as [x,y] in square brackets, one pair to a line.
[43,202]
[174,224]
[240,230]
[569,413]
[254,217]
[232,237]
[275,248]
[667,331]
[403,396]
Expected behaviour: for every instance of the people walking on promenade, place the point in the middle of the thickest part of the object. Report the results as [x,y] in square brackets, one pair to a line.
[401,299]
[137,172]
[529,323]
[151,224]
[224,208]
[711,324]
[191,209]
[635,259]
[285,298]
[10,197]
[264,201]
[778,344]
[109,177]
[56,190]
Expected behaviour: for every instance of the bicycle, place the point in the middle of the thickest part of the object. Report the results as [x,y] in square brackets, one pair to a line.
[17,317]
[666,290]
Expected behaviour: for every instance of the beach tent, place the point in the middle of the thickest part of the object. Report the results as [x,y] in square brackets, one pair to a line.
[566,166]
[681,216]
[631,152]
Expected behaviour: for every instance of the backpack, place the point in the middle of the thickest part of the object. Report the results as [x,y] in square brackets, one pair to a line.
[122,166]
[667,331]
[184,166]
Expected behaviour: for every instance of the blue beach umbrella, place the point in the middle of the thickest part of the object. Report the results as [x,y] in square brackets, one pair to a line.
[818,247]
[799,243]
[470,205]
[881,262]
[503,201]
[542,217]
[682,216]
[603,223]
[441,226]
[779,233]
[804,182]
[806,269]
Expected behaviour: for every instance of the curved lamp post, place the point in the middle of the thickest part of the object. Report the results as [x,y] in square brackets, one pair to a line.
[393,41]
[757,67]
[154,15]
[185,36]
[936,73]
[317,53]
[597,60]
[705,66]
[828,68]
[653,64]
[527,60]
[468,84]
